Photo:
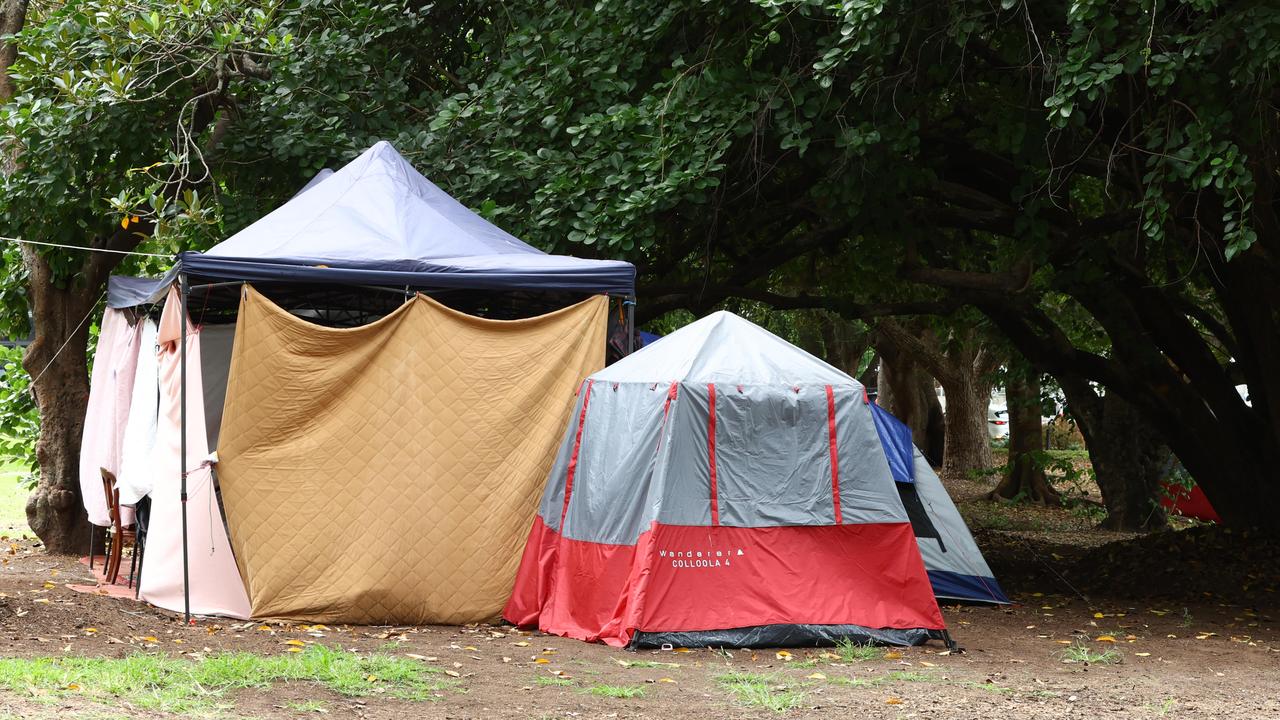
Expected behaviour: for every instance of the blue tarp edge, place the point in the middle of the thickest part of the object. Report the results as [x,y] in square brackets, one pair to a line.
[896,439]
[954,586]
[613,277]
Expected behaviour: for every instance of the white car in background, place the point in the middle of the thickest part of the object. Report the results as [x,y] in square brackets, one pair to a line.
[997,413]
[997,416]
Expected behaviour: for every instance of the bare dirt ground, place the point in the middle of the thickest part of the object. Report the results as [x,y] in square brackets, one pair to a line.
[1194,630]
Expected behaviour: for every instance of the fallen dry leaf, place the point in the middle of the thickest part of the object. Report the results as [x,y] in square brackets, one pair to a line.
[816,676]
[893,655]
[782,655]
[1104,638]
[1143,654]
[893,701]
[450,673]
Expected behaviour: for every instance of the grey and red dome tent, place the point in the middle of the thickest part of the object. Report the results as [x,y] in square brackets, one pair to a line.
[723,487]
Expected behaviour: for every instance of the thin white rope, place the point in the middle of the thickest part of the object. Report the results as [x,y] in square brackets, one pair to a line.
[93,308]
[82,247]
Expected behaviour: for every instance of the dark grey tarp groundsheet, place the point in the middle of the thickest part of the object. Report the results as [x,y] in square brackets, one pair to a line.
[762,636]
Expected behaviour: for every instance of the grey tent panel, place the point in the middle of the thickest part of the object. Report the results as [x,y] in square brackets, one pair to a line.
[215,366]
[956,566]
[771,470]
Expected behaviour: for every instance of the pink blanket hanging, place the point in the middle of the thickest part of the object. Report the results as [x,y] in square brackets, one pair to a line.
[215,584]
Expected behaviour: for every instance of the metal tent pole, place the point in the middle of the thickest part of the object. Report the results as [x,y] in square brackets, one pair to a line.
[630,302]
[184,289]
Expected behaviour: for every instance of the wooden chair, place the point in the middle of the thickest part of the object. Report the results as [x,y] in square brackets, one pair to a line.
[119,535]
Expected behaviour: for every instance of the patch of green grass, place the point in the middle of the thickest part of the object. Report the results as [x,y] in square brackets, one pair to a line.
[165,684]
[1082,653]
[896,676]
[803,664]
[616,691]
[761,691]
[908,676]
[552,680]
[647,664]
[307,706]
[850,651]
[13,499]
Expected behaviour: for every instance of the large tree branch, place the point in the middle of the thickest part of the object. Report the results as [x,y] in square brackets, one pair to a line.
[927,354]
[1016,280]
[13,15]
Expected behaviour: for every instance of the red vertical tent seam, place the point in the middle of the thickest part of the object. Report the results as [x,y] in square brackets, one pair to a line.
[573,459]
[835,458]
[711,435]
[666,409]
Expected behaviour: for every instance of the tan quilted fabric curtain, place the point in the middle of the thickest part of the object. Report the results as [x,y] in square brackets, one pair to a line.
[389,473]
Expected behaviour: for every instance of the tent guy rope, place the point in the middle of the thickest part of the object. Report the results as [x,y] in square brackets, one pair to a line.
[92,310]
[82,247]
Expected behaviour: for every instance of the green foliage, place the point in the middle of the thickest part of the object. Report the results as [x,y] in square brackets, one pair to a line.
[175,124]
[19,420]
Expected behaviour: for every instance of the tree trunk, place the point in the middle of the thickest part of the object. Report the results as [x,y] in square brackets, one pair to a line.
[1128,459]
[57,361]
[1025,479]
[967,446]
[844,343]
[906,390]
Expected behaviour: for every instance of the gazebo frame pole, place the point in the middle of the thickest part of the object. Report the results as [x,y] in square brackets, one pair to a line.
[630,303]
[184,289]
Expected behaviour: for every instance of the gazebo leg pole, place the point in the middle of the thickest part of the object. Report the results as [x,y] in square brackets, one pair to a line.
[630,302]
[92,529]
[182,413]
